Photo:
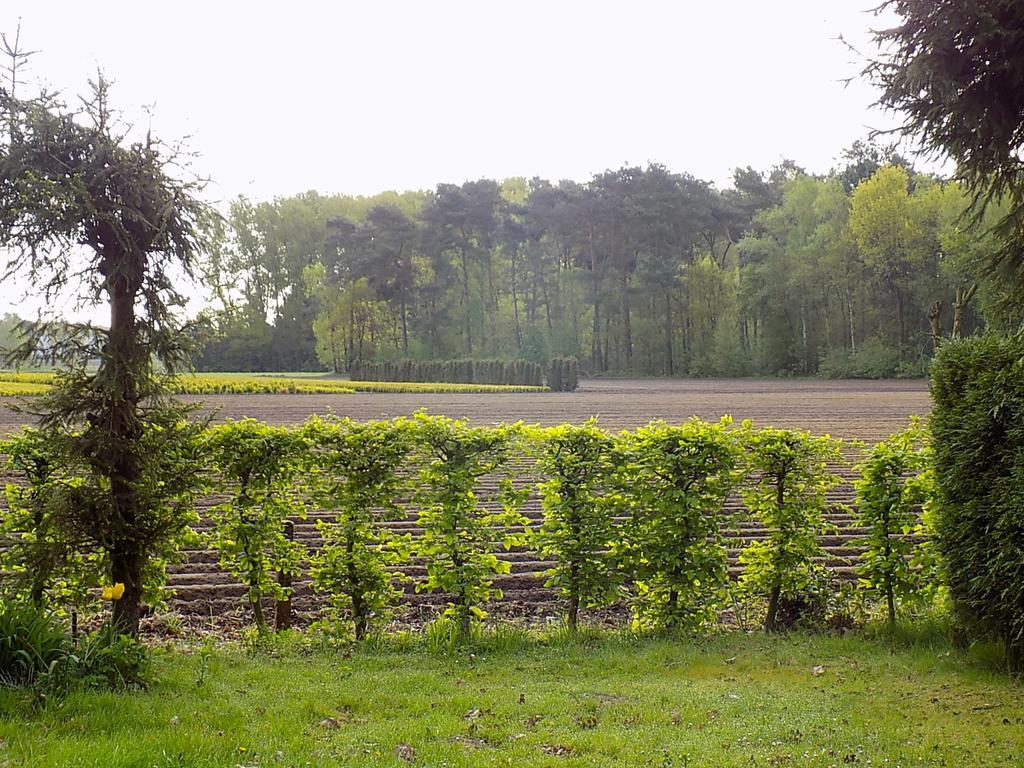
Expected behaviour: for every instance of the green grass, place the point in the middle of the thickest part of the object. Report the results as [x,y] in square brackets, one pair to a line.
[733,700]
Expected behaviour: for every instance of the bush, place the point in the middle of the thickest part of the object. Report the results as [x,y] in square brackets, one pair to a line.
[872,360]
[254,467]
[977,428]
[577,530]
[32,642]
[893,487]
[674,481]
[519,373]
[110,660]
[460,534]
[787,495]
[563,374]
[358,475]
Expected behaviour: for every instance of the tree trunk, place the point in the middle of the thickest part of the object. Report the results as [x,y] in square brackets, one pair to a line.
[283,609]
[122,464]
[771,623]
[627,326]
[669,360]
[963,298]
[359,618]
[849,310]
[467,314]
[935,322]
[900,328]
[405,325]
[803,336]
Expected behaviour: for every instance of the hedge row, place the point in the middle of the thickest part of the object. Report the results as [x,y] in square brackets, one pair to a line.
[635,516]
[562,373]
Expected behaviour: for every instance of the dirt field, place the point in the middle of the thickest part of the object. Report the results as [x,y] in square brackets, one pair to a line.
[865,410]
[861,410]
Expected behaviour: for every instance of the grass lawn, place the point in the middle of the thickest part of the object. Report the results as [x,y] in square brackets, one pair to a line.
[732,700]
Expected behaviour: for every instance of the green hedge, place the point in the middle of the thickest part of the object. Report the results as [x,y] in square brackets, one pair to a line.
[978,438]
[508,372]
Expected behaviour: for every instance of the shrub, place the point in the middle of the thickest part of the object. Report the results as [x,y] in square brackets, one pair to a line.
[357,476]
[787,494]
[461,534]
[40,561]
[977,428]
[874,359]
[32,641]
[109,659]
[254,466]
[578,530]
[674,482]
[892,488]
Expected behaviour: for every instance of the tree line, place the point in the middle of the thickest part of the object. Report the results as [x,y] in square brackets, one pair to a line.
[858,272]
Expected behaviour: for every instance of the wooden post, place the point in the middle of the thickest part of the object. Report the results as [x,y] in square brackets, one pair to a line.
[283,614]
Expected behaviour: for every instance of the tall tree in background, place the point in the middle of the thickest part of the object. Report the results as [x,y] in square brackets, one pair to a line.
[954,71]
[888,236]
[88,212]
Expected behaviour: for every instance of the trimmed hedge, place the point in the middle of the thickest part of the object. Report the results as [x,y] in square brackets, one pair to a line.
[563,374]
[978,439]
[507,372]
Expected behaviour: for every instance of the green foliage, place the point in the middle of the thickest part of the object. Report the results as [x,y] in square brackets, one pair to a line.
[893,486]
[578,529]
[461,532]
[952,68]
[787,493]
[109,660]
[71,180]
[254,465]
[38,557]
[32,642]
[65,527]
[674,481]
[977,429]
[873,359]
[357,475]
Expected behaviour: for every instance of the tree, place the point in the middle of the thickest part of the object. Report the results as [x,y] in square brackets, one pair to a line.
[954,70]
[888,236]
[86,209]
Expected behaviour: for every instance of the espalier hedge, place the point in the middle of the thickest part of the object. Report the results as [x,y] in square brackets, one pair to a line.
[632,517]
[978,440]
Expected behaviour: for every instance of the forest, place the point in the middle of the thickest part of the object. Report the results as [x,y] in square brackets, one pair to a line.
[641,270]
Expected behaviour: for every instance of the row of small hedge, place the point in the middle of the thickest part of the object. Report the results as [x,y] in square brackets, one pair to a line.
[562,373]
[635,516]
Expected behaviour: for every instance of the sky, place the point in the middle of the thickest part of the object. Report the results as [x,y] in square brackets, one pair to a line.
[359,97]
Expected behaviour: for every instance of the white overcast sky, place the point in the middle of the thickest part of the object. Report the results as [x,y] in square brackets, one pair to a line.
[358,97]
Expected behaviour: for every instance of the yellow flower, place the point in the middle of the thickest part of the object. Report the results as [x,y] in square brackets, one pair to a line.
[115,592]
